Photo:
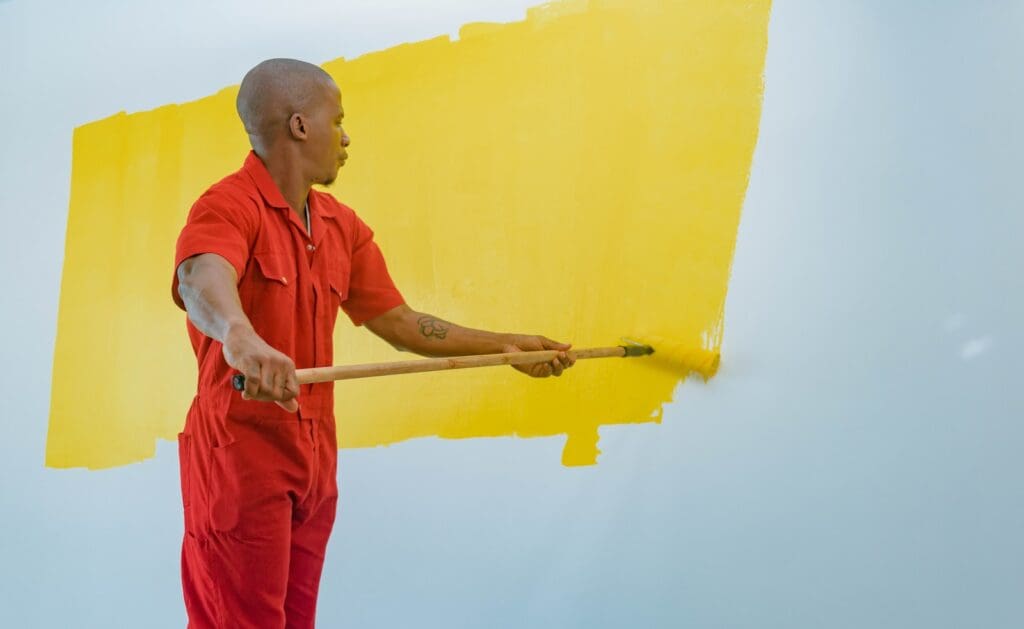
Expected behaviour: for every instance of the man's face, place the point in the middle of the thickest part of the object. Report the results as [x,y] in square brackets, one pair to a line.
[328,141]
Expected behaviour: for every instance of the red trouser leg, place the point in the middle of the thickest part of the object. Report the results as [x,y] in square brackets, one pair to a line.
[255,496]
[314,521]
[309,541]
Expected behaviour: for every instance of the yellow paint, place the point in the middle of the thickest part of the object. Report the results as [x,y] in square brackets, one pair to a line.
[578,174]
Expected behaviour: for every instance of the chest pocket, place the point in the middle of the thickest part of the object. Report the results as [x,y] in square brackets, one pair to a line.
[338,278]
[276,267]
[274,278]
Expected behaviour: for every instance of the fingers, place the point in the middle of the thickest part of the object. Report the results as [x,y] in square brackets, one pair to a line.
[252,382]
[564,360]
[292,406]
[291,386]
[571,356]
[267,376]
[535,370]
[273,380]
[549,344]
[556,367]
[290,392]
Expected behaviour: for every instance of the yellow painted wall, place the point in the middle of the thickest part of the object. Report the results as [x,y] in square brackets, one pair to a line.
[578,174]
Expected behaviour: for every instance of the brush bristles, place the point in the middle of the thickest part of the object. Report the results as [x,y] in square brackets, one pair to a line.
[637,350]
[676,356]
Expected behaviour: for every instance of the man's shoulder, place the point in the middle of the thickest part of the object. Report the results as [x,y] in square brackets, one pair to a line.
[235,191]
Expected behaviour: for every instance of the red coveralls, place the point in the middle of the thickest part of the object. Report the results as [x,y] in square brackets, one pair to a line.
[258,483]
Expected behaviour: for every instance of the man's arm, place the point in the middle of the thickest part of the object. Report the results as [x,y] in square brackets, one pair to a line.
[427,335]
[207,284]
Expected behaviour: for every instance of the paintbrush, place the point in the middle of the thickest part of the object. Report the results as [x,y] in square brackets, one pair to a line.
[700,361]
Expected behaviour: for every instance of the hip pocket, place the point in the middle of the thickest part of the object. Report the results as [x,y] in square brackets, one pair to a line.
[244,499]
[184,467]
[185,473]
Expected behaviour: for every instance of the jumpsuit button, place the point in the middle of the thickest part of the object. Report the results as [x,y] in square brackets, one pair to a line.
[311,247]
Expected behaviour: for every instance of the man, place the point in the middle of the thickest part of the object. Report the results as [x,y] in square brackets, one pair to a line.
[262,266]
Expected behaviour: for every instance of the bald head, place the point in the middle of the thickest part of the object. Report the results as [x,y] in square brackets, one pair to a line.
[274,91]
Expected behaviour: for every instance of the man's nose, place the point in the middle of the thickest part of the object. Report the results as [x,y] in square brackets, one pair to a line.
[345,140]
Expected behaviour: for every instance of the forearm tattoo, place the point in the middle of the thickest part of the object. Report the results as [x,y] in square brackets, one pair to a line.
[433,327]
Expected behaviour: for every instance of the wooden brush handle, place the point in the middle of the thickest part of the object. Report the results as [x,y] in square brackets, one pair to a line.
[371,370]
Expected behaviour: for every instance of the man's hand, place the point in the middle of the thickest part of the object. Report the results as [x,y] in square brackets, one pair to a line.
[527,343]
[269,374]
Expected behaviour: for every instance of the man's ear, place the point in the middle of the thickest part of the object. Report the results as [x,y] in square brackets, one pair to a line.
[297,127]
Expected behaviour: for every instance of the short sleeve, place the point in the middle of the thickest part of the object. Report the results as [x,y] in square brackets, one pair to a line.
[371,292]
[217,223]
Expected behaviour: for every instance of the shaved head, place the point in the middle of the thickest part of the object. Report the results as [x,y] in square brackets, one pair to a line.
[275,90]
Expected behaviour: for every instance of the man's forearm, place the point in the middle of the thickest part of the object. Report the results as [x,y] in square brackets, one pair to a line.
[433,336]
[206,285]
[427,335]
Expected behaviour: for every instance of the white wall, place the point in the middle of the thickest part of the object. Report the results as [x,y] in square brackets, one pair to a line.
[855,463]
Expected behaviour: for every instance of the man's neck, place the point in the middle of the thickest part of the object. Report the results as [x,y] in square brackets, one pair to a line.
[290,181]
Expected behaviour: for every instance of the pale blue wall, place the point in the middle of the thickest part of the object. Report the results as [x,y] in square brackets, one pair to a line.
[855,464]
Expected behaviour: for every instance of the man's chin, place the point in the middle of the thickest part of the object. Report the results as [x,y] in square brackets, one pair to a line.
[329,179]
